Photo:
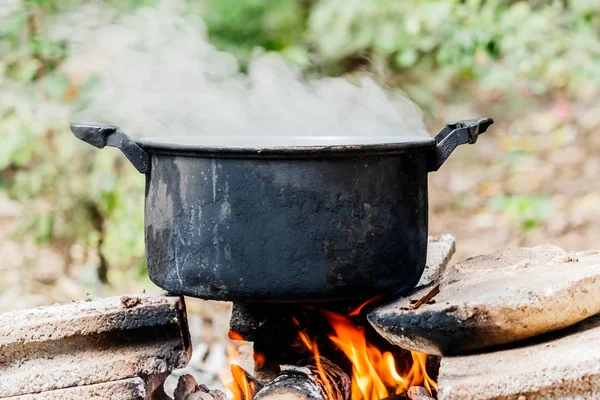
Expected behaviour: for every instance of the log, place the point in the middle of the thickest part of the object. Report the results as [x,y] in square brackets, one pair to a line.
[418,393]
[307,383]
[188,389]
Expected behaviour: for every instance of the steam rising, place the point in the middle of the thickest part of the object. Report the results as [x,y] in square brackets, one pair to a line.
[161,77]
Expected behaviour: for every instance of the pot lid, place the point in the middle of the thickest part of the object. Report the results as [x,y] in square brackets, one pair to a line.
[282,144]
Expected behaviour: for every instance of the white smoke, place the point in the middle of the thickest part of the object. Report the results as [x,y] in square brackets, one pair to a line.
[161,77]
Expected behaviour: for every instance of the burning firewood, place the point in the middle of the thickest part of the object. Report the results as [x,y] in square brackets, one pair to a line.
[318,380]
[376,372]
[188,389]
[413,393]
[418,393]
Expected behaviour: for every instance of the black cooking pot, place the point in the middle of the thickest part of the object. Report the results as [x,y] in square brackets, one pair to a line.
[327,218]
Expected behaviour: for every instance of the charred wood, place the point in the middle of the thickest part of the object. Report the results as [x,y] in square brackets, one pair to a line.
[188,389]
[318,380]
[419,393]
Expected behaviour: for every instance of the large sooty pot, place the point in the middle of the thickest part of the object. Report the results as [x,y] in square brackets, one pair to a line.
[326,219]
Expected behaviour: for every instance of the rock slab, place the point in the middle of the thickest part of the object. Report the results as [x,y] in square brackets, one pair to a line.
[495,299]
[563,365]
[92,342]
[126,389]
[439,252]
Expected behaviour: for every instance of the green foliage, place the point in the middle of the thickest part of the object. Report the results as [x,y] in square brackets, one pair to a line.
[72,194]
[526,212]
[239,26]
[56,6]
[495,41]
[65,184]
[502,45]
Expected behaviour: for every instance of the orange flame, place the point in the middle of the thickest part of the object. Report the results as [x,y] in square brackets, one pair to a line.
[374,374]
[240,386]
[359,309]
[312,346]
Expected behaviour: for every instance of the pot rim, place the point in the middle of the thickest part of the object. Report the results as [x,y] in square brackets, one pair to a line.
[170,145]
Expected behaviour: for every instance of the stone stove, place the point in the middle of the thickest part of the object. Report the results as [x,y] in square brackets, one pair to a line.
[514,325]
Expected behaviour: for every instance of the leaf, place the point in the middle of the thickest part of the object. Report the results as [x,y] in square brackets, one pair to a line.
[407,58]
[16,146]
[45,228]
[28,70]
[56,85]
[527,212]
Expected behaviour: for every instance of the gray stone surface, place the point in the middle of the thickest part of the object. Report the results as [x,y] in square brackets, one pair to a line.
[126,389]
[495,299]
[87,317]
[563,365]
[439,251]
[97,341]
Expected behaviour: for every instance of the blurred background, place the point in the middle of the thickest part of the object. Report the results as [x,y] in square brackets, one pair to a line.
[71,217]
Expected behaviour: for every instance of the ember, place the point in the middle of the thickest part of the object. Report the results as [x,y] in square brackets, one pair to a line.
[375,374]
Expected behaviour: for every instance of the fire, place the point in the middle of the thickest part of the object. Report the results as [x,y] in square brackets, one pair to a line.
[359,309]
[311,345]
[374,374]
[240,387]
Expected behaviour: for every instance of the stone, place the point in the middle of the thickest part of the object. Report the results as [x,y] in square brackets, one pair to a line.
[91,342]
[439,252]
[495,299]
[125,389]
[561,365]
[186,385]
[188,389]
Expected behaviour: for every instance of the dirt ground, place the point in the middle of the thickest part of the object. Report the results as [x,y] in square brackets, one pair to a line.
[529,182]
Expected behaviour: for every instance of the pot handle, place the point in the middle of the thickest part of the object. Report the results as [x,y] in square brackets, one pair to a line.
[99,136]
[454,134]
